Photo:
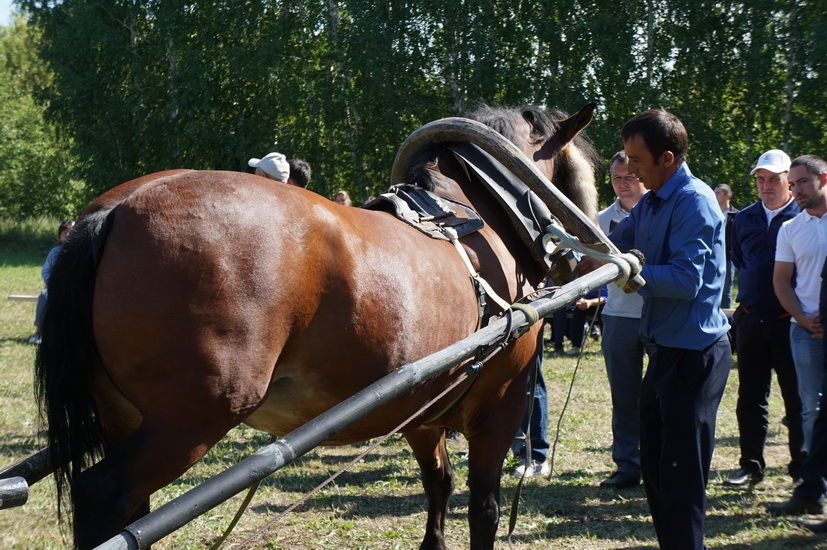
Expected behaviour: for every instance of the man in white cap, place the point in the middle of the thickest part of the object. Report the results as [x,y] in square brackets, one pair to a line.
[273,166]
[762,326]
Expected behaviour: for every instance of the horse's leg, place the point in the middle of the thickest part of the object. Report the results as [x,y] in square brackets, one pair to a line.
[489,440]
[428,446]
[116,491]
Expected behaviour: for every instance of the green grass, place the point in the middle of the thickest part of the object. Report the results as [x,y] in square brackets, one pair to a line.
[379,503]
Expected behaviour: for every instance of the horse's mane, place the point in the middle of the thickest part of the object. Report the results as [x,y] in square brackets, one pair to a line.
[574,162]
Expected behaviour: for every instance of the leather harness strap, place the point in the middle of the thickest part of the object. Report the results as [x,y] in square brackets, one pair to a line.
[475,276]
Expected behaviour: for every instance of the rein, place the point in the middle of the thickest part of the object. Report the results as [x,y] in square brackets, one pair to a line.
[515,505]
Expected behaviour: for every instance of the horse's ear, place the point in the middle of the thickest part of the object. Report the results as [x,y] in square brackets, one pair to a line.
[570,127]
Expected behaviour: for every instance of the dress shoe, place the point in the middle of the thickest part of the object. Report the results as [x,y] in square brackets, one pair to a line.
[742,478]
[795,507]
[814,525]
[619,480]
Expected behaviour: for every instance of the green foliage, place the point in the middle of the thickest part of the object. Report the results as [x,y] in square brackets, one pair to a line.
[29,234]
[35,160]
[144,85]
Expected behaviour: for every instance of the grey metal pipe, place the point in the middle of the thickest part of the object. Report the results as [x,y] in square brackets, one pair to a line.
[15,481]
[14,491]
[32,468]
[179,511]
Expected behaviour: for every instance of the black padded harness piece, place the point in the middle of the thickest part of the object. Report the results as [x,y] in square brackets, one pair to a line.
[426,211]
[528,215]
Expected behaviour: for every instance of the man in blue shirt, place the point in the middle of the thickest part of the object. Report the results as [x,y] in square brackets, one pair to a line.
[679,228]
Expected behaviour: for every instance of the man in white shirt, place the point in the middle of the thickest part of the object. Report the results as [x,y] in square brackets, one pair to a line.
[799,257]
[802,244]
[623,346]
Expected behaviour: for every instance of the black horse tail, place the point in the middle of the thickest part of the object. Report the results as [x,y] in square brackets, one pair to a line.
[65,357]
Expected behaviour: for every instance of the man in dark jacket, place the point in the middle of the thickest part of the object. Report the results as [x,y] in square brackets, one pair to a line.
[762,326]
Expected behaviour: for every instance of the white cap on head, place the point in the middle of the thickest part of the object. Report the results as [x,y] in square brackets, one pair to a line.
[774,160]
[273,164]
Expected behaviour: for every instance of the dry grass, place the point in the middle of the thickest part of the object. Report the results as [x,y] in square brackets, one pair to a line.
[379,502]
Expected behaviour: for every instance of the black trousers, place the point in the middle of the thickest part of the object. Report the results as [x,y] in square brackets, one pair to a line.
[763,346]
[679,400]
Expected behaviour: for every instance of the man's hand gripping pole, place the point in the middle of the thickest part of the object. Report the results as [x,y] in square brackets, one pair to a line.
[629,264]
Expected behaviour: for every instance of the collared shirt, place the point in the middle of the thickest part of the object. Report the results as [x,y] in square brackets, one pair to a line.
[753,253]
[618,303]
[803,241]
[680,230]
[773,213]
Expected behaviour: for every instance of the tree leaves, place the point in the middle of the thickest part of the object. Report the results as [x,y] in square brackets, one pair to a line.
[144,85]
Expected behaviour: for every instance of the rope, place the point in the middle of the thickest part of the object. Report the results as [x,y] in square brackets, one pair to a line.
[252,491]
[518,491]
[568,397]
[515,505]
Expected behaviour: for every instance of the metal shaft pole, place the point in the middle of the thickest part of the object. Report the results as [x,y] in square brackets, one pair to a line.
[214,491]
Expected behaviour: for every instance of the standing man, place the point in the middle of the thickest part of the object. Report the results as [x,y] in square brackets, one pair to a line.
[802,244]
[801,249]
[623,345]
[762,326]
[680,230]
[723,193]
[813,486]
[534,425]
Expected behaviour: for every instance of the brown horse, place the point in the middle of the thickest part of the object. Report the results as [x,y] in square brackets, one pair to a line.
[187,302]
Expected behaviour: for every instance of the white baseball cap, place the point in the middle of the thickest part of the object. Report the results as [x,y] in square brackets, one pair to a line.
[774,160]
[273,164]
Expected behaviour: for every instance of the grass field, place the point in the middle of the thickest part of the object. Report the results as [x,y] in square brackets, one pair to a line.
[378,504]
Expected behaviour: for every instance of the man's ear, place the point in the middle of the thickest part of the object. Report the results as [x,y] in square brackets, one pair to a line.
[668,158]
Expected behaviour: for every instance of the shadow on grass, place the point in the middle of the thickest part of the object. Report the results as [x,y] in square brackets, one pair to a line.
[569,511]
[9,340]
[18,445]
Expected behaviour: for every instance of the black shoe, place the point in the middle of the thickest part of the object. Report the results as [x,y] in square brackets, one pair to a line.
[813,525]
[619,480]
[795,507]
[742,478]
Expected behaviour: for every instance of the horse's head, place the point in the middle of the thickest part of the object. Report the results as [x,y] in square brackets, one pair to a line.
[554,142]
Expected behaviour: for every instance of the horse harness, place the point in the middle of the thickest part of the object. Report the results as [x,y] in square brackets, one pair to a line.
[445,219]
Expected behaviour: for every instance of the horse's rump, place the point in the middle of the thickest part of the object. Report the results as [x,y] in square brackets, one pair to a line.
[267,290]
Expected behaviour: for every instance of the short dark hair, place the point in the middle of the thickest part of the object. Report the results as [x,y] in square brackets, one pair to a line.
[299,172]
[661,131]
[620,157]
[724,187]
[812,163]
